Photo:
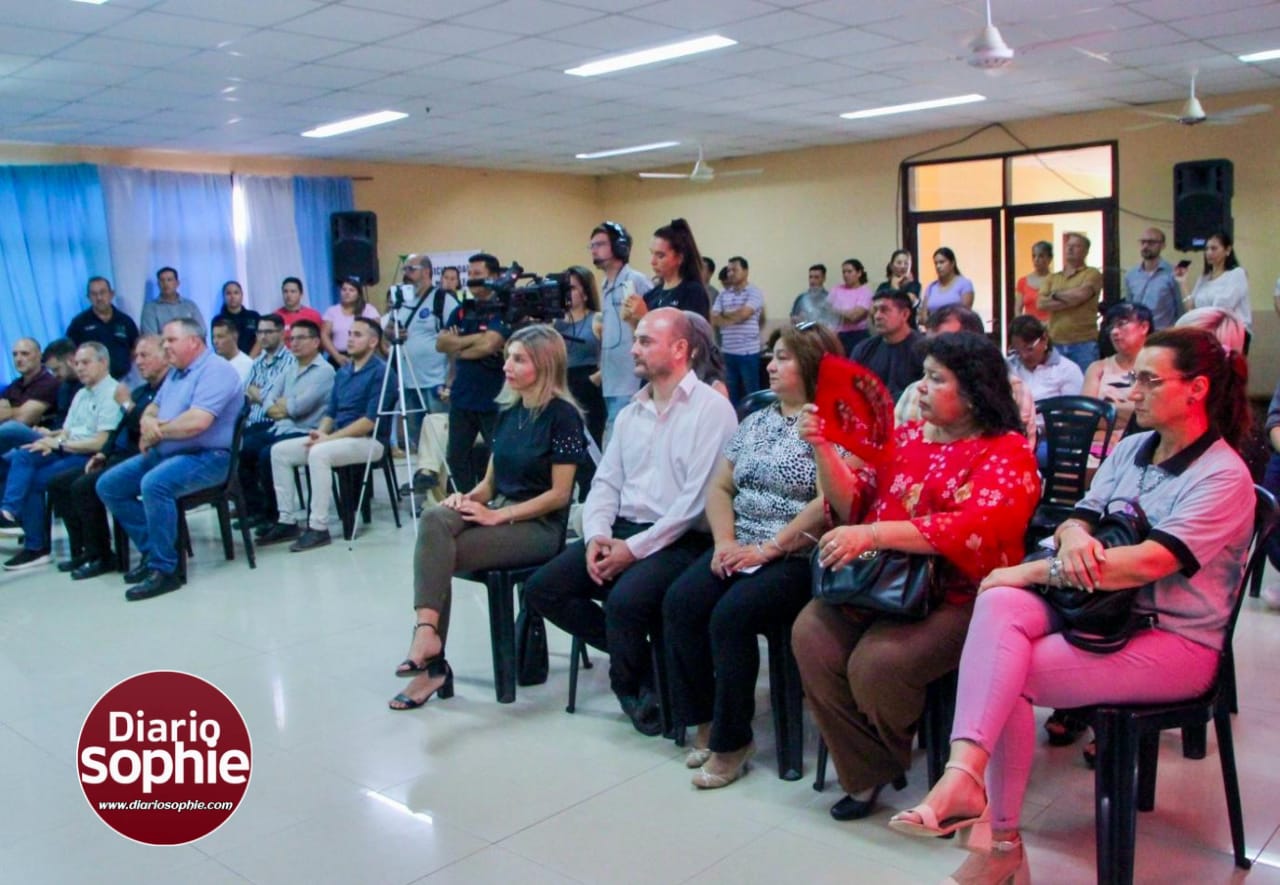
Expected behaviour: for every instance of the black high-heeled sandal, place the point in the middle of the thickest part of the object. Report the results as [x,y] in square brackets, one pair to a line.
[850,808]
[437,666]
[409,667]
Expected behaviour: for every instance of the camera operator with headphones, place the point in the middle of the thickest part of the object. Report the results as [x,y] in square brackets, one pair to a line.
[610,251]
[421,317]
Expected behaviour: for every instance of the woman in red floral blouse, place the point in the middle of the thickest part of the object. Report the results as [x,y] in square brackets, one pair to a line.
[960,484]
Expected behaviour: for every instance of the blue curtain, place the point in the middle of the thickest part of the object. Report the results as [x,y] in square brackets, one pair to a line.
[314,199]
[177,219]
[53,237]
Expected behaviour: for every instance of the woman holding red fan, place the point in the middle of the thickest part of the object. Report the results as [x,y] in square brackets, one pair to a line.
[960,485]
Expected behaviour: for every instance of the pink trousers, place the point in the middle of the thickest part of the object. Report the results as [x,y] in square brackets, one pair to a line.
[1014,658]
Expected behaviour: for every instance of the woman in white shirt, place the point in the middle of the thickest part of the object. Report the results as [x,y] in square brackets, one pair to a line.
[1223,284]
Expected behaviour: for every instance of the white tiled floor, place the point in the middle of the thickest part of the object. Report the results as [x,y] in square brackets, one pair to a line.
[470,791]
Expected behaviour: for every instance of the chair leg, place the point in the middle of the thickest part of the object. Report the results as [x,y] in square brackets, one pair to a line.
[820,775]
[245,534]
[393,491]
[586,659]
[502,636]
[1195,741]
[658,657]
[366,503]
[122,545]
[346,503]
[577,651]
[1148,768]
[1230,782]
[786,698]
[184,545]
[939,713]
[224,528]
[1115,798]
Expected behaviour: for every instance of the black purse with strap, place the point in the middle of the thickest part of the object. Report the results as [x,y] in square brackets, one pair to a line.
[1103,621]
[886,581]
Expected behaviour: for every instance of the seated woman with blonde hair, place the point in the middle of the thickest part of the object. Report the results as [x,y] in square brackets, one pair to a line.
[515,516]
[1190,394]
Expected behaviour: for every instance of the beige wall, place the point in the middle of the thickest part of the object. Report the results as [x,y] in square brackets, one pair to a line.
[827,204]
[821,204]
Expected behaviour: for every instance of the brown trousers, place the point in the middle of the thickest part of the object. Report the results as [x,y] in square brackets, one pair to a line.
[865,677]
[448,544]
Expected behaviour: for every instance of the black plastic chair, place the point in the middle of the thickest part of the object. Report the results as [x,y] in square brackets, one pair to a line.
[505,587]
[347,481]
[1129,739]
[658,662]
[935,729]
[221,497]
[786,697]
[1070,423]
[755,401]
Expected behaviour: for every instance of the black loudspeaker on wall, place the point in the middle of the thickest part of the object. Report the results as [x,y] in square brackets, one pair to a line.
[1201,201]
[354,236]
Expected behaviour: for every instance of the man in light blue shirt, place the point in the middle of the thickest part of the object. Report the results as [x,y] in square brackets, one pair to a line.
[1152,282]
[185,447]
[94,413]
[610,250]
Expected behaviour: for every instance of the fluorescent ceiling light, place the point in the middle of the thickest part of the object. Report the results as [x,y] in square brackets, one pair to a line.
[1266,55]
[94,2]
[352,124]
[651,56]
[914,106]
[618,152]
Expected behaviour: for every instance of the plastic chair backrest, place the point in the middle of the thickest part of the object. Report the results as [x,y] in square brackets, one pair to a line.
[1070,423]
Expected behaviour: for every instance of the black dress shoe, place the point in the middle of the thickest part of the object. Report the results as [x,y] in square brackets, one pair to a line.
[138,573]
[310,540]
[72,564]
[643,713]
[850,808]
[91,569]
[281,531]
[156,583]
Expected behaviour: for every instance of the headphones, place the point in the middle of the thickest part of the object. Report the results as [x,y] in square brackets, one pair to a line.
[619,240]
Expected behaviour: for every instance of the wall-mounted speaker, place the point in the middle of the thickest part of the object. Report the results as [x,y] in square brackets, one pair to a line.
[1201,202]
[354,236]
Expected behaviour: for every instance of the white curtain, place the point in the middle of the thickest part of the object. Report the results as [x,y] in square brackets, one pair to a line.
[267,248]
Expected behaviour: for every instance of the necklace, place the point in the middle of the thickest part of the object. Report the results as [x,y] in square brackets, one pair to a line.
[522,417]
[1143,488]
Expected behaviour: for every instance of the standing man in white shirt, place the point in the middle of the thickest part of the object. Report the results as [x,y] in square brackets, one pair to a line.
[610,252]
[642,521]
[736,313]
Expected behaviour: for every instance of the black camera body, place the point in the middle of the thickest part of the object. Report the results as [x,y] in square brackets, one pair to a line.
[543,299]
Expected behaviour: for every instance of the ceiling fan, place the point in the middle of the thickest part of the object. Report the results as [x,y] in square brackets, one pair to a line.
[701,172]
[1193,113]
[989,52]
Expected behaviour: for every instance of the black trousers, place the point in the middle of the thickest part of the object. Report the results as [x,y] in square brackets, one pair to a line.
[710,626]
[464,424]
[74,497]
[255,468]
[563,593]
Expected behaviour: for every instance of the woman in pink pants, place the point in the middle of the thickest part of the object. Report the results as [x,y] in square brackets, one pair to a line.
[1190,394]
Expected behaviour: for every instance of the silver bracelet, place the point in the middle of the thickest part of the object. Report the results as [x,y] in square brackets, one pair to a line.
[1055,572]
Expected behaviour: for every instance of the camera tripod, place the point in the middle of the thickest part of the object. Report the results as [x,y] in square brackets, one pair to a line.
[399,363]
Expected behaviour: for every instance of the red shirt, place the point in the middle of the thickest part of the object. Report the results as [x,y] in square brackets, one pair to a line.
[43,387]
[292,316]
[970,499]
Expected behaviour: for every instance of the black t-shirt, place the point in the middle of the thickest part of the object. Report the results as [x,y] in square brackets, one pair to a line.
[246,324]
[689,295]
[117,335]
[898,365]
[525,446]
[477,382]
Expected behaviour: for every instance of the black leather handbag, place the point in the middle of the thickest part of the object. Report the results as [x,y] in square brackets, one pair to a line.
[886,581]
[1103,622]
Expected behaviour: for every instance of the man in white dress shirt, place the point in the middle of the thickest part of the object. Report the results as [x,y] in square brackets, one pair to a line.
[642,522]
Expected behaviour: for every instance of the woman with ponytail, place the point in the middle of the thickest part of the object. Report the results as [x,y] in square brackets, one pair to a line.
[677,265]
[1189,394]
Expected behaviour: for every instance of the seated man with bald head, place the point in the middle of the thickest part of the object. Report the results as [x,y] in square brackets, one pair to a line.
[642,522]
[28,398]
[185,446]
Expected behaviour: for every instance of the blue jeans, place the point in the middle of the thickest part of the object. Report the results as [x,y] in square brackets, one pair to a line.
[612,406]
[29,475]
[742,375]
[12,435]
[152,522]
[1271,482]
[1082,353]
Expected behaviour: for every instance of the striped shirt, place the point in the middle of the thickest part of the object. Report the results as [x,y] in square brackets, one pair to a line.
[266,369]
[740,338]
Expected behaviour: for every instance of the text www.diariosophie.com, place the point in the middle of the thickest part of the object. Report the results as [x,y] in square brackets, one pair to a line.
[160,805]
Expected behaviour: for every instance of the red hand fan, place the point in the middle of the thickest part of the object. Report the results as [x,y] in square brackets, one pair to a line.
[856,408]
